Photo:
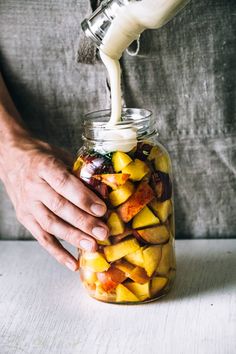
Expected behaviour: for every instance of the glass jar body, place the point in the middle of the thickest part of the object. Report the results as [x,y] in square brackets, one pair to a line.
[136,264]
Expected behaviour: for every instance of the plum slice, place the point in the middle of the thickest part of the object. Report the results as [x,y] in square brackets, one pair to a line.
[162,185]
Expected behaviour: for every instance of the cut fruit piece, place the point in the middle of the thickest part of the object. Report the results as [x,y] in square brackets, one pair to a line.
[118,238]
[136,258]
[144,218]
[106,242]
[111,278]
[139,275]
[151,257]
[142,196]
[136,169]
[167,259]
[125,295]
[121,194]
[154,235]
[126,267]
[115,224]
[94,261]
[120,160]
[102,295]
[161,159]
[161,183]
[115,252]
[161,209]
[143,150]
[77,164]
[88,276]
[113,180]
[142,291]
[157,284]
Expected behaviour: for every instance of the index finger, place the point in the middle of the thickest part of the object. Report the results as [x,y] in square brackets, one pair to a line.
[71,188]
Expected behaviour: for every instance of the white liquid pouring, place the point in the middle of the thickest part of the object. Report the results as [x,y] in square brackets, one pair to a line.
[130,21]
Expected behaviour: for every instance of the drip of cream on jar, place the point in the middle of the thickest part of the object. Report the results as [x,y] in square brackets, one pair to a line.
[130,21]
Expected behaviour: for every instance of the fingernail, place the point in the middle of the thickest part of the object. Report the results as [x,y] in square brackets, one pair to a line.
[99,232]
[86,245]
[98,209]
[71,265]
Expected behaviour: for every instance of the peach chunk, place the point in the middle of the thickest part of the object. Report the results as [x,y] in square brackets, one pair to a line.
[115,252]
[111,278]
[167,259]
[126,267]
[157,284]
[142,196]
[118,238]
[142,291]
[102,295]
[94,261]
[139,275]
[113,180]
[121,194]
[136,170]
[161,159]
[120,160]
[136,258]
[154,235]
[125,295]
[161,209]
[115,224]
[144,218]
[88,276]
[152,257]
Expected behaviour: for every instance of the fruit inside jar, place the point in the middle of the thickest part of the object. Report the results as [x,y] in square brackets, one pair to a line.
[136,263]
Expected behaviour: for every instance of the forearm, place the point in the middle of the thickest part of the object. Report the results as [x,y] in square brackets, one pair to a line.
[11,126]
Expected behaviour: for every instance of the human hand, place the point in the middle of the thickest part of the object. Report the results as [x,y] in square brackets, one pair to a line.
[49,200]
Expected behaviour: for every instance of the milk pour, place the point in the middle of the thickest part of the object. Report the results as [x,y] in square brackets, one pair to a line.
[131,20]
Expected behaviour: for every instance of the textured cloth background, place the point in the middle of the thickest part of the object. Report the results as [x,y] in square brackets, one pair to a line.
[185,73]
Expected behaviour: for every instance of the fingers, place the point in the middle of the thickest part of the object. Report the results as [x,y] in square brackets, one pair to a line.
[72,214]
[59,228]
[71,188]
[51,244]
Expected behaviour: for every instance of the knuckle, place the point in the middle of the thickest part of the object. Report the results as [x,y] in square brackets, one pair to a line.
[48,222]
[61,179]
[81,221]
[44,240]
[69,235]
[57,204]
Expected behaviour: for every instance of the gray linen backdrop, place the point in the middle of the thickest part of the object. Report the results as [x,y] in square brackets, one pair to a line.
[185,73]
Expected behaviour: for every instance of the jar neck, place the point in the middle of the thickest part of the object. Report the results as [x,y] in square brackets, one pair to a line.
[135,125]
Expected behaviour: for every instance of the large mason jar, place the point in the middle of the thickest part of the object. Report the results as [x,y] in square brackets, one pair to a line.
[131,171]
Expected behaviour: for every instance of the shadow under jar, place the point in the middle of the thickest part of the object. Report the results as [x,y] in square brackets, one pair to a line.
[131,171]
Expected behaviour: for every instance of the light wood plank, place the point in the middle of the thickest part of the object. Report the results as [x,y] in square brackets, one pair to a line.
[44,310]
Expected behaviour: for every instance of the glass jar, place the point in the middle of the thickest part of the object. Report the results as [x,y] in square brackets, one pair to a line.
[131,171]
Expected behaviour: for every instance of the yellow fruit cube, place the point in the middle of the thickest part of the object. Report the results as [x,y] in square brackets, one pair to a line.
[121,194]
[115,224]
[136,169]
[161,209]
[120,160]
[88,276]
[106,242]
[161,159]
[142,291]
[136,258]
[125,295]
[77,164]
[151,257]
[157,284]
[144,218]
[115,252]
[167,259]
[94,261]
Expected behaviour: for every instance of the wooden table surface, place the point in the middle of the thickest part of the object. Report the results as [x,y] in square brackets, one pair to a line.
[44,309]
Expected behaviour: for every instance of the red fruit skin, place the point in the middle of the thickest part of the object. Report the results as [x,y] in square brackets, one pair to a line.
[111,278]
[142,151]
[141,197]
[139,238]
[162,185]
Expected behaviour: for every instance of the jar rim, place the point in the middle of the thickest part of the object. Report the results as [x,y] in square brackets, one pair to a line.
[129,117]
